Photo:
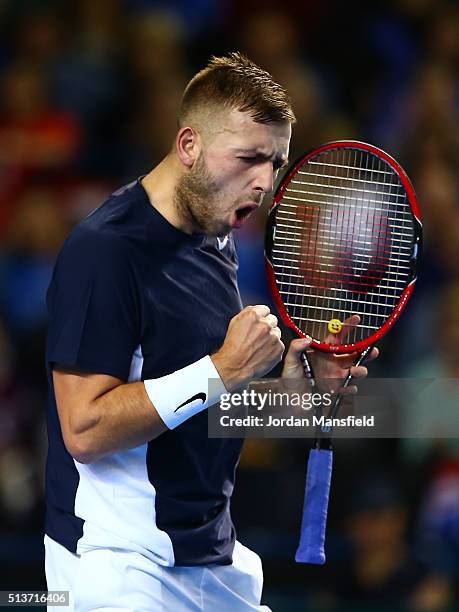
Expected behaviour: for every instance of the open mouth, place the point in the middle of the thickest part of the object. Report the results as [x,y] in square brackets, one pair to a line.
[243,213]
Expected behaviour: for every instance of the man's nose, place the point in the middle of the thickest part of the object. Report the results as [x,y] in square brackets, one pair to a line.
[264,180]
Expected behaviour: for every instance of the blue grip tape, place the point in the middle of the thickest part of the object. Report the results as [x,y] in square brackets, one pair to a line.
[314,523]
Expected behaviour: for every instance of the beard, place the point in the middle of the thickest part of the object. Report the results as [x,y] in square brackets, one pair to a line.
[196,199]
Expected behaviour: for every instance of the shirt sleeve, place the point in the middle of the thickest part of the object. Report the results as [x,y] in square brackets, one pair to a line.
[93,306]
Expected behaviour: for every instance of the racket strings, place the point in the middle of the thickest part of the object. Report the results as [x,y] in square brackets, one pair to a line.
[343,242]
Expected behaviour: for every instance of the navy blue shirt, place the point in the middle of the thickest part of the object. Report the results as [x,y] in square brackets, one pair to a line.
[135,298]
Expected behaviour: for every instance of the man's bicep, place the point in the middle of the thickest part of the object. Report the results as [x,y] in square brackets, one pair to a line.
[75,392]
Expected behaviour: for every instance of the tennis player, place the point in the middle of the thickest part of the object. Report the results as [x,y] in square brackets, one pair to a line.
[144,311]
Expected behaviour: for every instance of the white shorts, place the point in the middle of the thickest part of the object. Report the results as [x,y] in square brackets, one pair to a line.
[114,579]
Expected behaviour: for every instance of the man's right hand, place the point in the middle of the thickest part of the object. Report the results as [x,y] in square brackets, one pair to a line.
[252,347]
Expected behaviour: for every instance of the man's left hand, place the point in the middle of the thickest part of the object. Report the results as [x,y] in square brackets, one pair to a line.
[327,365]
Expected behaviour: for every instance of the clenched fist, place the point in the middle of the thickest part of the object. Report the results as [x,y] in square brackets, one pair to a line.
[252,347]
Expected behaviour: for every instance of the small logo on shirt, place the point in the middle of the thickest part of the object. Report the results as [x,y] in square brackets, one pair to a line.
[201,396]
[222,242]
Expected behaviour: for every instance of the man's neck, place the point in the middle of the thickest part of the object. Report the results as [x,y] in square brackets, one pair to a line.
[160,184]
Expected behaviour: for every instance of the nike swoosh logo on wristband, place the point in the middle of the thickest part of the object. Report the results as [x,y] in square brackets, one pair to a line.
[201,396]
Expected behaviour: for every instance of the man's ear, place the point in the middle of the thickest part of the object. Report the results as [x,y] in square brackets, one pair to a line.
[188,146]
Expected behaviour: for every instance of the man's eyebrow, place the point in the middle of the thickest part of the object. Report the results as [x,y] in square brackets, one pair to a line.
[281,160]
[253,151]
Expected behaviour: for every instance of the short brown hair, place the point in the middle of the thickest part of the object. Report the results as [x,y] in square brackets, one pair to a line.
[235,82]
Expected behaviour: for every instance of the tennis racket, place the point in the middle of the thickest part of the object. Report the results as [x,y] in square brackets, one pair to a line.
[343,238]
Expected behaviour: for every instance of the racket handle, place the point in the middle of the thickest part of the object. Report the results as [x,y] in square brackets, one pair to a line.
[311,548]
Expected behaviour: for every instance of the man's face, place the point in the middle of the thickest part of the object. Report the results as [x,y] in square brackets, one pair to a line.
[237,166]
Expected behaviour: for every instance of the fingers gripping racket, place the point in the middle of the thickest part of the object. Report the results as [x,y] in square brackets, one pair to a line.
[343,238]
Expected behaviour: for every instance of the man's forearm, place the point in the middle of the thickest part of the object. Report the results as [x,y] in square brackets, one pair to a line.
[121,418]
[100,414]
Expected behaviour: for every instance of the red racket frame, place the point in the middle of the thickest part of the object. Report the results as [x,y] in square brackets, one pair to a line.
[371,340]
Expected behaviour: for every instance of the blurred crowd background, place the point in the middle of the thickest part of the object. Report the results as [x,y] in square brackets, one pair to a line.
[88,97]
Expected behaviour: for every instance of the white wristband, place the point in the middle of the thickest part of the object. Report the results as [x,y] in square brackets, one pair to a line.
[184,393]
